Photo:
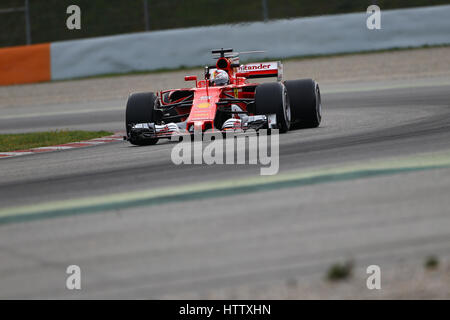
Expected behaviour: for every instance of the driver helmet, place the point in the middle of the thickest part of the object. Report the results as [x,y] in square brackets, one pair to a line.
[220,78]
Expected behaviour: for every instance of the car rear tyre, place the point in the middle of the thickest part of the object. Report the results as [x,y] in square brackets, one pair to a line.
[272,98]
[140,110]
[305,101]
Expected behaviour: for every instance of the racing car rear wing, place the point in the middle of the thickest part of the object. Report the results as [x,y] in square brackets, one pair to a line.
[261,70]
[257,70]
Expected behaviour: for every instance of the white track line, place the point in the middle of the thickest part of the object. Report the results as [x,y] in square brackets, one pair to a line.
[66,146]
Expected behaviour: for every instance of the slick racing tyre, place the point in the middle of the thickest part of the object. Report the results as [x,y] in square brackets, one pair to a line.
[272,98]
[306,106]
[140,110]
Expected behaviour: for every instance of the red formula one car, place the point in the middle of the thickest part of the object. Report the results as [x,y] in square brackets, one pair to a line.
[224,100]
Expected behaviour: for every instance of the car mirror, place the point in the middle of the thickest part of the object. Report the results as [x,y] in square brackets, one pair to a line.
[190,78]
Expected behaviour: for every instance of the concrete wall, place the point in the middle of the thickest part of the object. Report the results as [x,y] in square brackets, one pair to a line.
[280,38]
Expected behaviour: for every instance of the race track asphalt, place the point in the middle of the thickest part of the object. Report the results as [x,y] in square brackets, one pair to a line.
[371,184]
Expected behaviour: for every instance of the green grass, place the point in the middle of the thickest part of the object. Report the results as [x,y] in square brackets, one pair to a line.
[340,271]
[23,141]
[431,262]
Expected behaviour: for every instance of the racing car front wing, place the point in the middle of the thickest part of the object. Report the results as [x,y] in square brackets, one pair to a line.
[144,131]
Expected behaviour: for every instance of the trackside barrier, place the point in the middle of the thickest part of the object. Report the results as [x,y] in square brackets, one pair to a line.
[25,64]
[280,38]
[190,47]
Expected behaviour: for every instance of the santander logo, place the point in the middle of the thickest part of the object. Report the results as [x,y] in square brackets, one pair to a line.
[249,67]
